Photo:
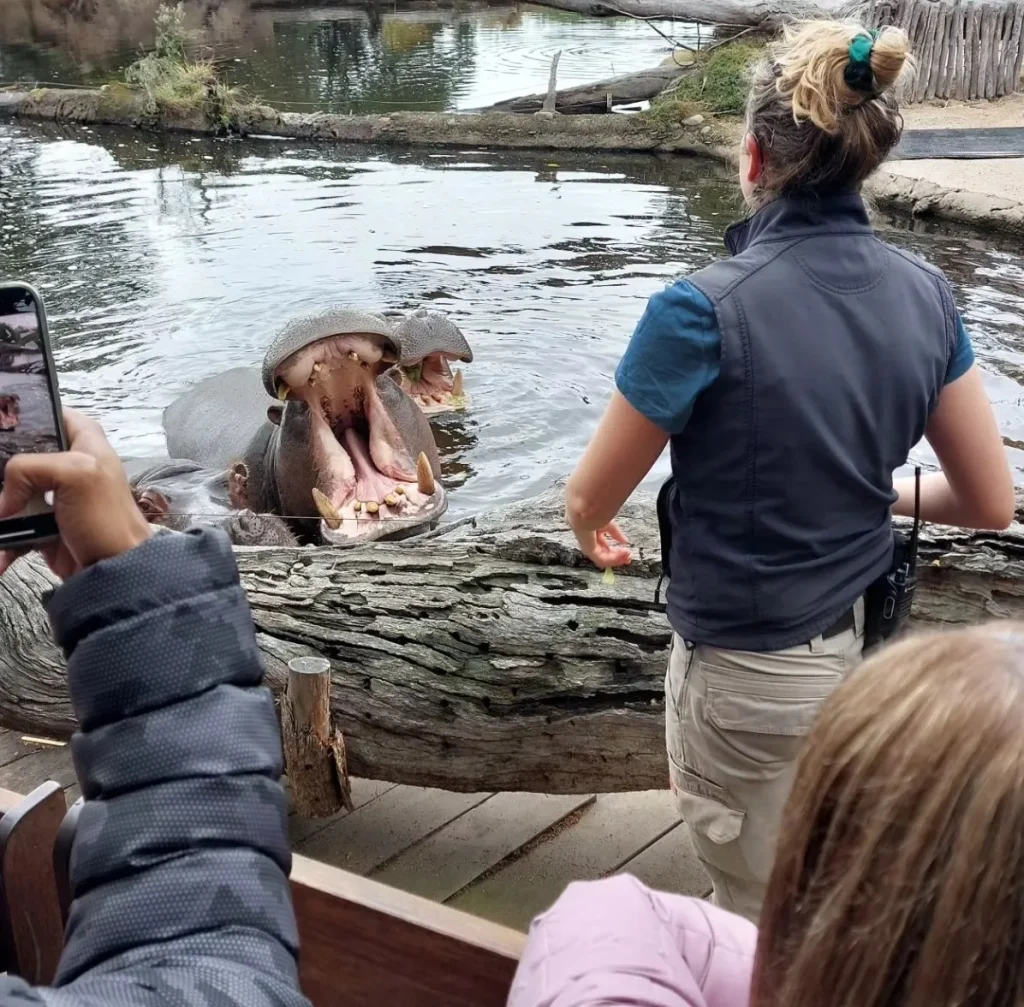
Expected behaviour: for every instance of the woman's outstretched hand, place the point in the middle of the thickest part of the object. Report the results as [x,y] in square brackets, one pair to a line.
[92,502]
[608,546]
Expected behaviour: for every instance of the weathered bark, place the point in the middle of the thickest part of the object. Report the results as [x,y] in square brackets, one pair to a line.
[769,15]
[314,753]
[488,655]
[593,99]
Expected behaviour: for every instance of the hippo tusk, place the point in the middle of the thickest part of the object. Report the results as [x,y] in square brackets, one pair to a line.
[457,383]
[283,391]
[327,510]
[425,476]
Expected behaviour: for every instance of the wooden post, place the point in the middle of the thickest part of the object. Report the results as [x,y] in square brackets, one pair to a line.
[974,24]
[935,68]
[314,754]
[947,51]
[1018,58]
[549,101]
[960,27]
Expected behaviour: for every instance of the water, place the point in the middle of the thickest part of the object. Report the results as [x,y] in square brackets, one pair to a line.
[165,259]
[342,60]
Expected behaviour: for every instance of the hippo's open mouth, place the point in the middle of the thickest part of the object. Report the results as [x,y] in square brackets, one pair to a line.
[433,386]
[368,483]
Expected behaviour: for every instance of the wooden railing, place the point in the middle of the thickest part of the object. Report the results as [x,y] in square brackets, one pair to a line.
[361,942]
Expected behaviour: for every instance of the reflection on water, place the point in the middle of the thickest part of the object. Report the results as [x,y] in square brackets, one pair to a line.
[339,59]
[166,259]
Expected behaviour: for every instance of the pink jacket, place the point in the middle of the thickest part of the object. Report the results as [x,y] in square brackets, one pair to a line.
[616,943]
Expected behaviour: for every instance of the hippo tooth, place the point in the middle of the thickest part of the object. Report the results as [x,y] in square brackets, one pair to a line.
[391,500]
[352,355]
[327,510]
[357,506]
[400,490]
[282,389]
[424,475]
[372,507]
[457,383]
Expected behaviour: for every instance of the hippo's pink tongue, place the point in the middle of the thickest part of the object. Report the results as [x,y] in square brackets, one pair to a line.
[371,484]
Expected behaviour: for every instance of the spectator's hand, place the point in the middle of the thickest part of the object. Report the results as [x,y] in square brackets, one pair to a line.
[606,547]
[92,502]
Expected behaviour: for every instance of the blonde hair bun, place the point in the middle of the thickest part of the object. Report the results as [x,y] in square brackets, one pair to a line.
[813,58]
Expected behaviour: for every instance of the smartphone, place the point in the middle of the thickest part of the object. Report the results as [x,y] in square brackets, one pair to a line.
[31,420]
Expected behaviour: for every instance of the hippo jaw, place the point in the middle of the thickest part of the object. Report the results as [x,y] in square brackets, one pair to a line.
[368,484]
[433,386]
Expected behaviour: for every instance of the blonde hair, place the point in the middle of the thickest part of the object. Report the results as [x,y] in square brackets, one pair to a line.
[899,878]
[816,130]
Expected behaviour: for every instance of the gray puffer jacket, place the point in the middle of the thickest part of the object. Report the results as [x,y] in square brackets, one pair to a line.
[181,859]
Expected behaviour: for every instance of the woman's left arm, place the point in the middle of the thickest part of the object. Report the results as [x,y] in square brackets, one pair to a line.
[672,358]
[621,452]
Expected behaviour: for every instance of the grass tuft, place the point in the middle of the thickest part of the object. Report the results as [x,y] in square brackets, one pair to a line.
[717,85]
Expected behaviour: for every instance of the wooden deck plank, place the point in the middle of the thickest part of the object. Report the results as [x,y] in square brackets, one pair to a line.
[363,792]
[608,834]
[454,856]
[382,829]
[37,766]
[13,748]
[671,864]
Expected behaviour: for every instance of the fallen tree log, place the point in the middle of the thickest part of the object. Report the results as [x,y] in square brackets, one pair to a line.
[596,98]
[768,15]
[488,655]
[117,105]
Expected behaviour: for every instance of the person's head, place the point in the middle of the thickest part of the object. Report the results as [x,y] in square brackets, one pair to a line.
[899,878]
[822,114]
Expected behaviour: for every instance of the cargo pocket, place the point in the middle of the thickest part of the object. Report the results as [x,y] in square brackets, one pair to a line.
[704,806]
[768,725]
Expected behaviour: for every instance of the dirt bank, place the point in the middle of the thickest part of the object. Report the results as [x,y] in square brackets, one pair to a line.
[987,195]
[962,190]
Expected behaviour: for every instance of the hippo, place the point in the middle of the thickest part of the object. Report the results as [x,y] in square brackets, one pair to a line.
[178,494]
[323,435]
[10,412]
[429,340]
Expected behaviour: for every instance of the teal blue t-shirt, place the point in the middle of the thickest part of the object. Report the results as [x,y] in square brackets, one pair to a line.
[675,353]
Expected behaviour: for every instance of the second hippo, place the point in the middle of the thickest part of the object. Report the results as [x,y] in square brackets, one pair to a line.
[429,341]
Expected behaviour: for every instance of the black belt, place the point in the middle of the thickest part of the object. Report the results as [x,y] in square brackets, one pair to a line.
[841,625]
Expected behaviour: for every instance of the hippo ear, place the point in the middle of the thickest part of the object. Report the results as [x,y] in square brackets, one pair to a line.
[238,486]
[274,413]
[153,504]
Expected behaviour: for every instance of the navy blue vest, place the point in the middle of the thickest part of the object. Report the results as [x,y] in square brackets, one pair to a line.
[834,352]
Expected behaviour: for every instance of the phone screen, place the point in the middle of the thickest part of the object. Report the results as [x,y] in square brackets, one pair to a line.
[29,409]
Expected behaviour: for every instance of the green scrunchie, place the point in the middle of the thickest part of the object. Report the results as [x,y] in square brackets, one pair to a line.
[858,73]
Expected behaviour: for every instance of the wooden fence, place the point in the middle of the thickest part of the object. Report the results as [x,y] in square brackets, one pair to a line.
[965,49]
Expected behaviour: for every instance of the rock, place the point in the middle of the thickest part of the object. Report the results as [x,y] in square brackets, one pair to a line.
[693,120]
[705,131]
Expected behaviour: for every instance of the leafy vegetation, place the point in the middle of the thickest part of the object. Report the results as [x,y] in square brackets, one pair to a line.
[172,81]
[717,84]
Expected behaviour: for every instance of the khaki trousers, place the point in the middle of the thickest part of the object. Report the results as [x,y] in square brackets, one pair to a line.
[735,721]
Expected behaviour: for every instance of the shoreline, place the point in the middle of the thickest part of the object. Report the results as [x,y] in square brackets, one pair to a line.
[922,189]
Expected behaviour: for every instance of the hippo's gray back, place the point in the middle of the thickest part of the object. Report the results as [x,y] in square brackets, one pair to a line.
[214,422]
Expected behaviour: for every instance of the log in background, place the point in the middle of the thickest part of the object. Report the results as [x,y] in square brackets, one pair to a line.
[489,655]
